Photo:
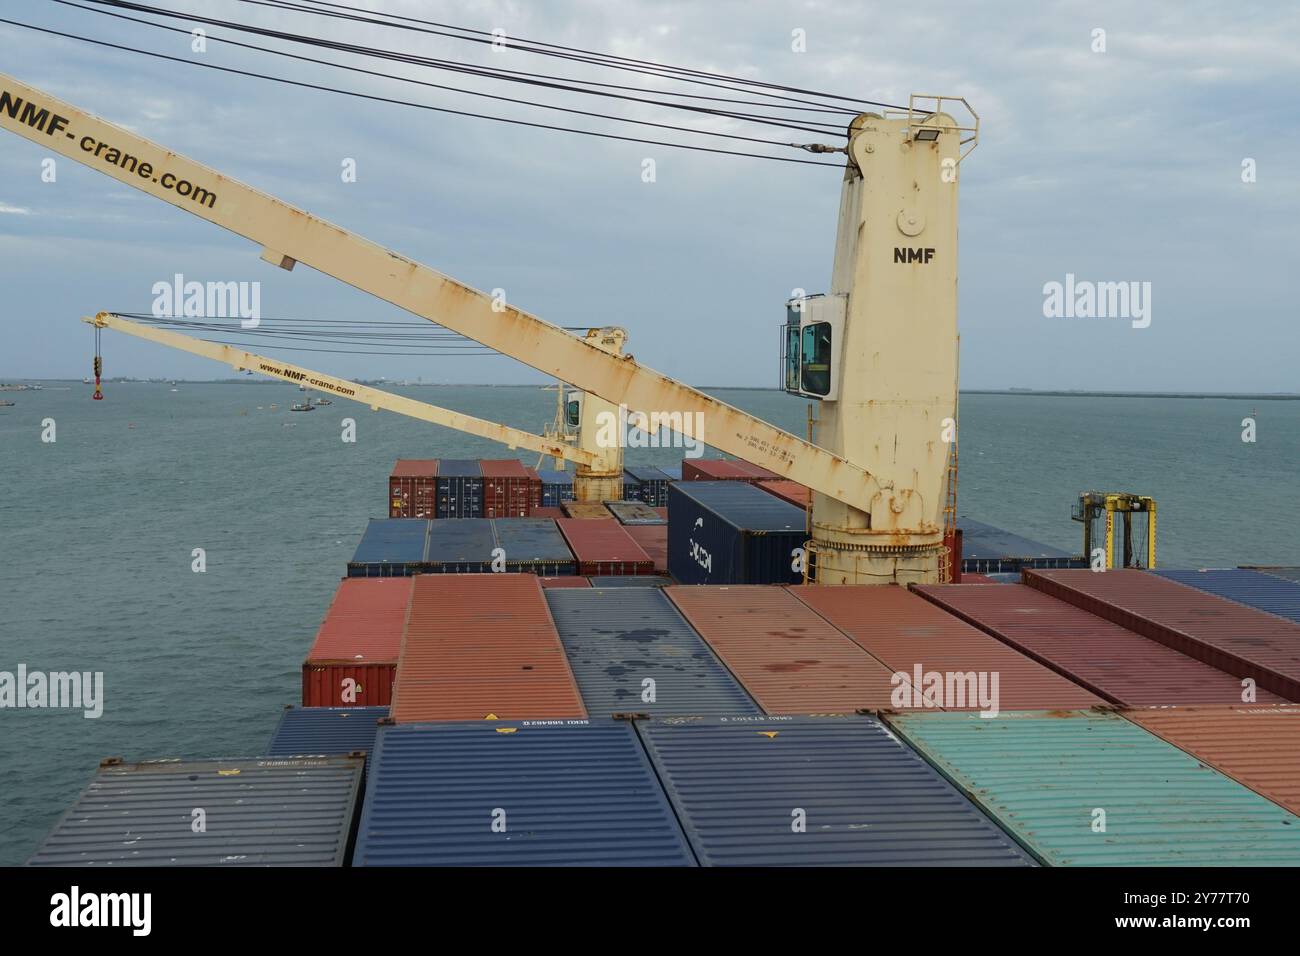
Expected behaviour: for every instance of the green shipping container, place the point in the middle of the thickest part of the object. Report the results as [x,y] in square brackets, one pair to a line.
[1045,775]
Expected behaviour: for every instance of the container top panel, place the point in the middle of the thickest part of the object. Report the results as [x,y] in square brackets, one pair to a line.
[259,812]
[865,798]
[587,510]
[567,581]
[1287,574]
[674,472]
[530,540]
[503,468]
[631,650]
[982,541]
[601,540]
[1264,592]
[517,794]
[459,468]
[788,658]
[461,540]
[551,513]
[756,471]
[646,473]
[634,512]
[478,645]
[367,595]
[325,730]
[416,468]
[909,634]
[1122,666]
[552,477]
[713,469]
[364,623]
[1259,747]
[393,541]
[630,581]
[1049,776]
[741,505]
[791,491]
[1228,635]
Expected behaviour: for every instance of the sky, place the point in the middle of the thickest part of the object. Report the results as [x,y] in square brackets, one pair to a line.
[1115,165]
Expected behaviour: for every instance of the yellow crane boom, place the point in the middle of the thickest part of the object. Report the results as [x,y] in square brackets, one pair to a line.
[239,360]
[289,235]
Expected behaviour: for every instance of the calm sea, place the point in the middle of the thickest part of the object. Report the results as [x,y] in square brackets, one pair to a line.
[97,531]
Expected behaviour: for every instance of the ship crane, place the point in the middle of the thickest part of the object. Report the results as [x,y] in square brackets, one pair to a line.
[879,350]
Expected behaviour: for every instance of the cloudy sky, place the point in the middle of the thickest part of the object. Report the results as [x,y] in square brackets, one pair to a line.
[1122,165]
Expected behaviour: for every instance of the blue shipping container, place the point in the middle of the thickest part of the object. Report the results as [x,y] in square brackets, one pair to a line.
[816,791]
[1265,592]
[325,730]
[459,488]
[535,546]
[460,546]
[390,547]
[730,532]
[654,485]
[630,649]
[986,549]
[545,793]
[557,486]
[631,487]
[631,581]
[674,472]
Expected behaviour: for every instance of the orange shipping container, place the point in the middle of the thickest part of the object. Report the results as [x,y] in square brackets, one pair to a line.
[603,547]
[653,539]
[353,659]
[791,491]
[412,488]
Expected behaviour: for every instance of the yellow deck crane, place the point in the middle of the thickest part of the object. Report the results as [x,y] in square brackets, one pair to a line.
[1094,504]
[880,351]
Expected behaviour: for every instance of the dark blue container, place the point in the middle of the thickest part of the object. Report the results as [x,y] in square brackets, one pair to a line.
[654,485]
[539,793]
[1265,592]
[325,730]
[729,532]
[390,547]
[459,488]
[534,546]
[460,546]
[631,487]
[631,581]
[631,650]
[674,472]
[816,791]
[557,486]
[989,550]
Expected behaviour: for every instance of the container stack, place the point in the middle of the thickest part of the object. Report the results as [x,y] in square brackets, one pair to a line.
[413,488]
[353,660]
[730,532]
[603,547]
[460,489]
[653,485]
[509,491]
[557,487]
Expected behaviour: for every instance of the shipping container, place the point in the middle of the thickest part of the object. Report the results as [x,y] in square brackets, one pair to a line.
[460,546]
[325,730]
[1087,788]
[756,472]
[550,793]
[981,579]
[535,546]
[1257,746]
[674,472]
[729,532]
[1264,592]
[1287,574]
[603,547]
[988,549]
[353,660]
[551,513]
[482,646]
[909,635]
[787,658]
[565,582]
[634,513]
[653,539]
[631,487]
[1111,661]
[631,651]
[413,488]
[634,581]
[586,510]
[258,812]
[507,489]
[390,547]
[796,494]
[557,487]
[714,469]
[534,490]
[460,488]
[653,485]
[861,798]
[1229,636]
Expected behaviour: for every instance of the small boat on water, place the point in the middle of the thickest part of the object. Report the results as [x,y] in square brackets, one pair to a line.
[304,407]
[5,403]
[323,401]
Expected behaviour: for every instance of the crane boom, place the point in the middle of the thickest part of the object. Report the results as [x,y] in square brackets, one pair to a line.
[239,360]
[289,235]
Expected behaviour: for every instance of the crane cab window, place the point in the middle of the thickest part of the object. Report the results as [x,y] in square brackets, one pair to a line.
[792,357]
[572,412]
[815,358]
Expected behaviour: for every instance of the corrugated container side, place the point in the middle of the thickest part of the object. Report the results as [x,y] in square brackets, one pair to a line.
[1258,746]
[631,487]
[1263,592]
[557,487]
[865,799]
[727,532]
[259,812]
[390,547]
[1287,574]
[413,488]
[482,644]
[978,579]
[534,490]
[325,730]
[460,546]
[353,659]
[632,581]
[908,633]
[787,658]
[653,485]
[1048,776]
[571,581]
[348,684]
[634,513]
[546,512]
[631,651]
[714,469]
[757,472]
[1122,666]
[603,547]
[987,549]
[653,540]
[1234,638]
[566,793]
[460,488]
[535,546]
[674,472]
[791,491]
[507,489]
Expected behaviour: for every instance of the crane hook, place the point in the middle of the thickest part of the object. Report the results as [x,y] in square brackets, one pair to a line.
[99,367]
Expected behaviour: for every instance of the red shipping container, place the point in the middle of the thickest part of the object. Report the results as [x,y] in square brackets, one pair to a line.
[757,471]
[568,581]
[972,578]
[353,660]
[1234,638]
[482,646]
[791,491]
[534,491]
[603,547]
[653,539]
[662,512]
[547,513]
[714,469]
[508,489]
[412,488]
[904,631]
